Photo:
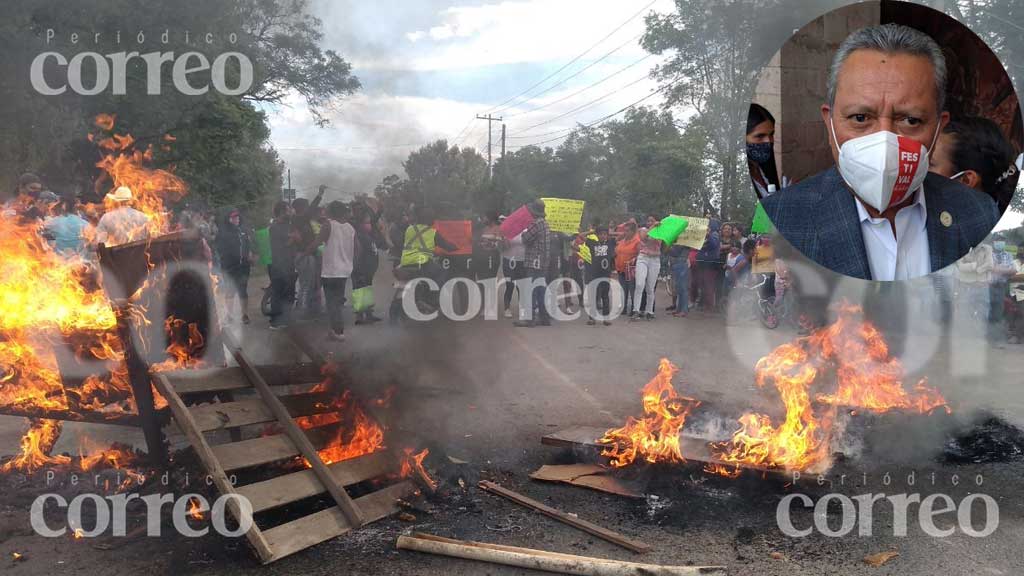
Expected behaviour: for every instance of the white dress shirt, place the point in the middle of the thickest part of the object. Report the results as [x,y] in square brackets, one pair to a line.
[905,255]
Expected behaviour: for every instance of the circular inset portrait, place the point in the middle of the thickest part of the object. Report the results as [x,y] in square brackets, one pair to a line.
[882,141]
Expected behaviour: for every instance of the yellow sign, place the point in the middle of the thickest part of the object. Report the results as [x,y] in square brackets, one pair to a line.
[563,215]
[695,232]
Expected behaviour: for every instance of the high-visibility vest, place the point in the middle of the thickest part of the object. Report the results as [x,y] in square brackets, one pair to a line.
[418,248]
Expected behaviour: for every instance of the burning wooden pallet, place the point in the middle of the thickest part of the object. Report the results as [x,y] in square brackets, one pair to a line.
[281,407]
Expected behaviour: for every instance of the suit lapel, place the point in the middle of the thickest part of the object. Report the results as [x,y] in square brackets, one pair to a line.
[840,242]
[943,241]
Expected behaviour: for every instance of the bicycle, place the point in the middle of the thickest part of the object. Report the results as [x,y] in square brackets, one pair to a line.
[748,298]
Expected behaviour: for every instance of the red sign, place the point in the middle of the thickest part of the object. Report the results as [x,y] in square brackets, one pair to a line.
[516,222]
[910,160]
[459,233]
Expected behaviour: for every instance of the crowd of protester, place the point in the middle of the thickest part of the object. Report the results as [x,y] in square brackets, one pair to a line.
[320,258]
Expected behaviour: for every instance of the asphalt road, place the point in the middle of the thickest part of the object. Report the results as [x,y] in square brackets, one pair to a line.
[485,392]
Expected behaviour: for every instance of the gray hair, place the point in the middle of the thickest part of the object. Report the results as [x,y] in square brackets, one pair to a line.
[891,39]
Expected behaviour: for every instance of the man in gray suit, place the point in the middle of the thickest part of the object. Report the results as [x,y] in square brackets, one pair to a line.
[879,214]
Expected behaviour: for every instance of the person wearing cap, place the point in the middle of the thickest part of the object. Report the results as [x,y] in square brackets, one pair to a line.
[122,224]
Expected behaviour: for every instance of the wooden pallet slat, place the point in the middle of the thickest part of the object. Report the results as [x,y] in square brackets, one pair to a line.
[304,483]
[266,449]
[310,530]
[251,411]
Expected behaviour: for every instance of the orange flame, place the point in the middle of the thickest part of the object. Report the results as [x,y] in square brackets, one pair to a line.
[194,509]
[413,464]
[47,298]
[867,377]
[363,435]
[36,445]
[186,346]
[654,437]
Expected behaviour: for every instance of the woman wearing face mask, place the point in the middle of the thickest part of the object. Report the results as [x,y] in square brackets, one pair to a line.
[974,152]
[761,150]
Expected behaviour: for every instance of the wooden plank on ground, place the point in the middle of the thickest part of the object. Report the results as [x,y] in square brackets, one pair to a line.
[255,411]
[304,483]
[575,522]
[544,560]
[213,468]
[310,530]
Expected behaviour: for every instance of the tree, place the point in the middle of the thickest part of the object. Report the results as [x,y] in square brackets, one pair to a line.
[447,178]
[715,51]
[283,39]
[222,148]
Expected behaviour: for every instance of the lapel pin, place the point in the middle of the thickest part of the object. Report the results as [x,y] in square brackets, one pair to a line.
[946,218]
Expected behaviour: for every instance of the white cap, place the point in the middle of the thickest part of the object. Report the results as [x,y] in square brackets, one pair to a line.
[122,194]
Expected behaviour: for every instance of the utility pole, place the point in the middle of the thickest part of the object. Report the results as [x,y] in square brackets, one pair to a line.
[489,119]
[503,141]
[288,194]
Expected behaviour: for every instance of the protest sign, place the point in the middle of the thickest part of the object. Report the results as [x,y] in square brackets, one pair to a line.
[761,224]
[459,233]
[669,229]
[263,246]
[693,235]
[563,215]
[516,222]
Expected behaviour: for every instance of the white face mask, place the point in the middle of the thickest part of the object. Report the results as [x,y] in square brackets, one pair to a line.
[883,168]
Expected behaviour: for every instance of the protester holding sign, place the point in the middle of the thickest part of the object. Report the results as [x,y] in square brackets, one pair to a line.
[537,239]
[626,250]
[648,266]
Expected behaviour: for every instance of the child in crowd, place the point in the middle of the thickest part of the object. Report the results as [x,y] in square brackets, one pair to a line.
[602,263]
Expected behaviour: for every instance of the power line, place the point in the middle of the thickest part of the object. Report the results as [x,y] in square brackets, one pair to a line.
[580,55]
[577,109]
[578,72]
[581,90]
[599,120]
[464,128]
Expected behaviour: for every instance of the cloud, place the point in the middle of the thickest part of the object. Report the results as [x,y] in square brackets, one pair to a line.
[526,31]
[430,67]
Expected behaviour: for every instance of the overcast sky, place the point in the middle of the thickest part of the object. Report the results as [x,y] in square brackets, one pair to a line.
[429,67]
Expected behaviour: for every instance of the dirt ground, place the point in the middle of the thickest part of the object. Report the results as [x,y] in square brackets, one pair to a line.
[485,392]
